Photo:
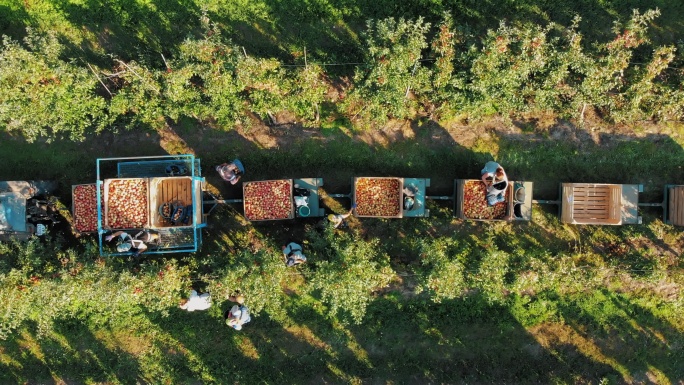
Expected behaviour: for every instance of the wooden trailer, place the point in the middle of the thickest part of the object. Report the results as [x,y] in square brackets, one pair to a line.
[673,212]
[599,203]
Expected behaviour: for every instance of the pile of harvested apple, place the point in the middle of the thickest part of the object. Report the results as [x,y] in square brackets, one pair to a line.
[378,197]
[127,204]
[266,200]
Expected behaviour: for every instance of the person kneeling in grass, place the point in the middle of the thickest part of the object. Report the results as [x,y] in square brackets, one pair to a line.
[337,220]
[293,254]
[238,315]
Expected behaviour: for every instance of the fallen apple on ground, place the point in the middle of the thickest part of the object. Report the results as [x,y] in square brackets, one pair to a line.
[127,204]
[475,202]
[266,200]
[378,197]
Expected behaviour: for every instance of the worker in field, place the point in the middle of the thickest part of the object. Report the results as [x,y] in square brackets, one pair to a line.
[231,172]
[337,220]
[495,179]
[196,301]
[237,315]
[136,244]
[292,252]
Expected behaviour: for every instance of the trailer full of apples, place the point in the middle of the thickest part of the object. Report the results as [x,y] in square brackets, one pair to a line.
[475,202]
[127,203]
[378,197]
[85,207]
[268,200]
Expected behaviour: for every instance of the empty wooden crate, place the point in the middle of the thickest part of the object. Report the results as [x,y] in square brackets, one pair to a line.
[599,204]
[674,199]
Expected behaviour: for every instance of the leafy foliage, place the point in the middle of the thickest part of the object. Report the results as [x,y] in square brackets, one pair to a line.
[258,276]
[393,53]
[83,290]
[446,276]
[350,272]
[44,96]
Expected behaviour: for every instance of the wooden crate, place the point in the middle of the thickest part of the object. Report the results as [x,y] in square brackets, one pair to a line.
[396,196]
[174,190]
[141,205]
[591,203]
[255,205]
[675,205]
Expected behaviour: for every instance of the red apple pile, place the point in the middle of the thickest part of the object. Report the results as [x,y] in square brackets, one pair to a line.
[475,202]
[127,204]
[266,200]
[378,197]
[85,207]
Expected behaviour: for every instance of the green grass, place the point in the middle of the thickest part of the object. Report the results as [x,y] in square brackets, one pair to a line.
[571,305]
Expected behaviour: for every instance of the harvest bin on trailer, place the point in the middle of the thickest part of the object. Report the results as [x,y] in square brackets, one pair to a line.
[132,194]
[599,203]
[471,201]
[279,199]
[389,197]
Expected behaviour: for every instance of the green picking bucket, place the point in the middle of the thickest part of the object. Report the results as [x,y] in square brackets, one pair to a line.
[304,211]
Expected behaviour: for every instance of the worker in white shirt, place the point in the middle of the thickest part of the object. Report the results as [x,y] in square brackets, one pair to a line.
[196,302]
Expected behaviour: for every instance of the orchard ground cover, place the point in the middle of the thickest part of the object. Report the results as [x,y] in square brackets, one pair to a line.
[438,299]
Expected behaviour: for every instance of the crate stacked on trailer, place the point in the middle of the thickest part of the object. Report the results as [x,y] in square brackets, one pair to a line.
[471,201]
[390,197]
[281,199]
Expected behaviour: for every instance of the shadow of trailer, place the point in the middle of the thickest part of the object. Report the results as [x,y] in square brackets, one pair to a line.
[162,195]
[599,203]
[470,202]
[27,208]
[389,197]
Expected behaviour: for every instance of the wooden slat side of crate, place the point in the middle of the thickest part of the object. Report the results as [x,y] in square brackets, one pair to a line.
[566,203]
[458,203]
[676,205]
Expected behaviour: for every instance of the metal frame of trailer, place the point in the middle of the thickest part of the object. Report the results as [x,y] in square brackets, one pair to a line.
[174,239]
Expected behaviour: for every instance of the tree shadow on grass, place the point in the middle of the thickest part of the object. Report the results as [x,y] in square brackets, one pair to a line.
[464,340]
[640,345]
[131,30]
[71,353]
[580,156]
[302,351]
